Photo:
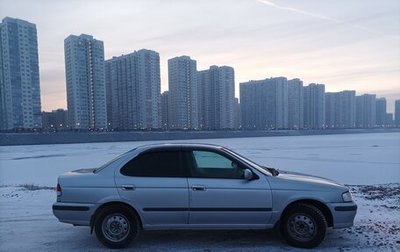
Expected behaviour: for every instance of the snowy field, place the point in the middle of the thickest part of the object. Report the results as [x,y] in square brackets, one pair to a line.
[368,163]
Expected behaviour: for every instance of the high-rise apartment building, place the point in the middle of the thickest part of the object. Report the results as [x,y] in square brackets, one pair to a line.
[295,104]
[397,113]
[203,84]
[264,104]
[85,77]
[330,110]
[381,112]
[164,110]
[20,105]
[216,89]
[346,105]
[249,107]
[133,91]
[183,93]
[340,109]
[237,114]
[366,111]
[314,106]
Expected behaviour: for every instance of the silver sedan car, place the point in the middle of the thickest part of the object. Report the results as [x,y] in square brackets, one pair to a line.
[198,186]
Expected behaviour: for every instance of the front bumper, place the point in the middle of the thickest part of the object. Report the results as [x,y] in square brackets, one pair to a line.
[74,213]
[343,214]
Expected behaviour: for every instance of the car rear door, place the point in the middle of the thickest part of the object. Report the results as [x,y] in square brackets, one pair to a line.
[219,194]
[155,184]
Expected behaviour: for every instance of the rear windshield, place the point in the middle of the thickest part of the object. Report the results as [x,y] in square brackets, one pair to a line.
[112,161]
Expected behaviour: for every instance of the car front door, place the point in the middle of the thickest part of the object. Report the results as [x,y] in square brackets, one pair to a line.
[221,196]
[155,184]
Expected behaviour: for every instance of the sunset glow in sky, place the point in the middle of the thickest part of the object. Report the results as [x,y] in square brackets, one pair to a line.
[344,44]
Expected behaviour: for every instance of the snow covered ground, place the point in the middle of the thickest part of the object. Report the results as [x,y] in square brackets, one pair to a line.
[369,163]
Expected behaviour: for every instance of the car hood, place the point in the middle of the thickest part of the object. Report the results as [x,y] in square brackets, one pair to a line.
[294,180]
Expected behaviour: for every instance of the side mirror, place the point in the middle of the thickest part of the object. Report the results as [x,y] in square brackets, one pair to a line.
[248,174]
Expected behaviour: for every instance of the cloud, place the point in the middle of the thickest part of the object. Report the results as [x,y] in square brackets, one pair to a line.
[326,18]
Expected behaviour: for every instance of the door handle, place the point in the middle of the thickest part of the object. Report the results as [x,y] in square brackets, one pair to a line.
[128,187]
[198,188]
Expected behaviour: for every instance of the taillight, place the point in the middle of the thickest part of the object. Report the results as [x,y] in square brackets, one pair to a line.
[58,189]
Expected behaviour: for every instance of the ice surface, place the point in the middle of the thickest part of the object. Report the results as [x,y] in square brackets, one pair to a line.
[27,222]
[351,159]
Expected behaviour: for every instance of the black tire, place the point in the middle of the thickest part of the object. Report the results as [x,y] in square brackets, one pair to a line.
[304,226]
[116,226]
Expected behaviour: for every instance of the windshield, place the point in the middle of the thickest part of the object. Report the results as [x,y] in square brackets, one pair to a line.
[249,162]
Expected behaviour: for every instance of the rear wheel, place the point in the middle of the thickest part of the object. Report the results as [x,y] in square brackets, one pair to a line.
[116,226]
[304,226]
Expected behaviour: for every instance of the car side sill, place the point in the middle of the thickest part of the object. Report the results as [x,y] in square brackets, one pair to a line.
[208,227]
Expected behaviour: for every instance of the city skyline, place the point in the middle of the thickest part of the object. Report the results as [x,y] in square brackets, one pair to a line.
[316,42]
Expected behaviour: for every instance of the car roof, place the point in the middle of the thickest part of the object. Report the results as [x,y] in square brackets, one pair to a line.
[178,145]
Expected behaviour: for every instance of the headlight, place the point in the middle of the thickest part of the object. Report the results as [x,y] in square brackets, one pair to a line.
[347,197]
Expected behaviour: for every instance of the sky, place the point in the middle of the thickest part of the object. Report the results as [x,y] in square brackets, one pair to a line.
[344,44]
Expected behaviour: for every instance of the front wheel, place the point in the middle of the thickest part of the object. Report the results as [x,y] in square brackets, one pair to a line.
[116,227]
[304,226]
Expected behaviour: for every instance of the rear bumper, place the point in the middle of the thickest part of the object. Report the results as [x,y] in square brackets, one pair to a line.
[343,214]
[74,213]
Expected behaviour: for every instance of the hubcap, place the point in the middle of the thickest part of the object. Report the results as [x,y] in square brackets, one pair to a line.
[301,227]
[115,227]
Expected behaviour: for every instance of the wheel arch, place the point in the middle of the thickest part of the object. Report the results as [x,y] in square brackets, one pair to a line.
[318,204]
[114,203]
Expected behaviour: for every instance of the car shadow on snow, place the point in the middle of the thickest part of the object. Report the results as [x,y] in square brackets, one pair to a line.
[206,240]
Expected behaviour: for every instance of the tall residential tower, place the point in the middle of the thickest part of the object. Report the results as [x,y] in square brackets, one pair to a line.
[19,75]
[397,113]
[314,106]
[340,109]
[264,104]
[216,88]
[133,91]
[85,74]
[295,104]
[183,93]
[381,112]
[366,111]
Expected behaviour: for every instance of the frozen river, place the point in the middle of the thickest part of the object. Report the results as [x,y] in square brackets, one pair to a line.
[350,159]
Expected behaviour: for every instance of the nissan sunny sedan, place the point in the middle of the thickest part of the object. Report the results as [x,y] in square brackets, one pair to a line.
[198,186]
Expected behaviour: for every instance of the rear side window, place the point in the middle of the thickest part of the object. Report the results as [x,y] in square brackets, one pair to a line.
[154,164]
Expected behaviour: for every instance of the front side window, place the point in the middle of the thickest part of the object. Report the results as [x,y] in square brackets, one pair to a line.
[207,164]
[154,164]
